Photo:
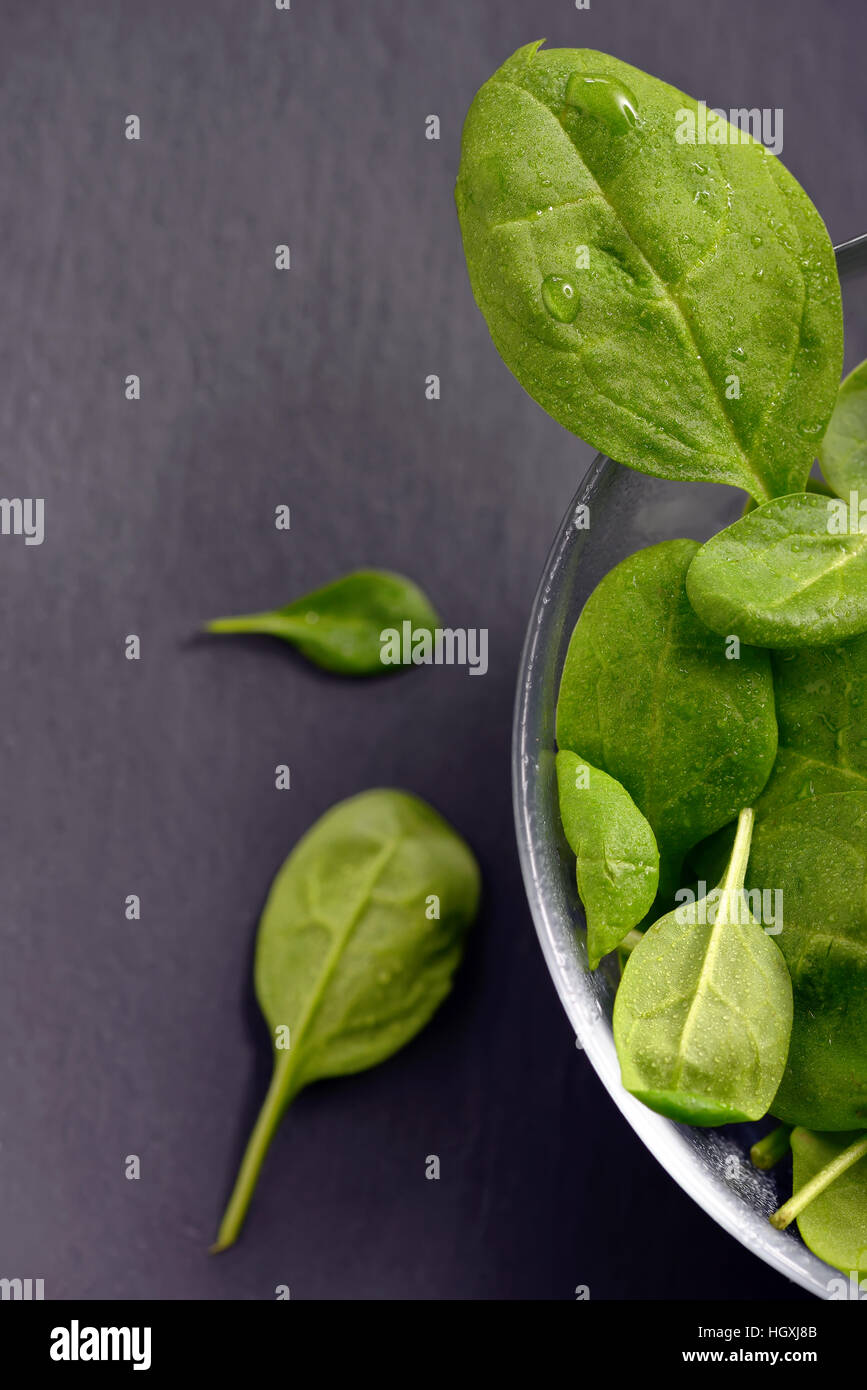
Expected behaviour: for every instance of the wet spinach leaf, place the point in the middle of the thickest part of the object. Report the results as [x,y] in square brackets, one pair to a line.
[340,627]
[649,696]
[617,861]
[674,303]
[811,845]
[833,1221]
[785,575]
[704,1010]
[361,934]
[843,451]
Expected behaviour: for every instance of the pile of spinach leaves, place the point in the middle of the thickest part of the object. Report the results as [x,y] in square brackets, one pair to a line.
[676,304]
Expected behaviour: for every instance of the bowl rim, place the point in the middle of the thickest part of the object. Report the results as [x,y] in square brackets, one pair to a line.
[666,1140]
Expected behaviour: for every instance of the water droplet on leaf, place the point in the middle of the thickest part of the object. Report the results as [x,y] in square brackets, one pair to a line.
[604,99]
[560,298]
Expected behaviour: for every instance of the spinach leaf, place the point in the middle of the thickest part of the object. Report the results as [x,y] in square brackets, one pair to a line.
[617,859]
[830,1201]
[674,303]
[340,627]
[843,451]
[358,942]
[704,1010]
[783,576]
[648,695]
[811,845]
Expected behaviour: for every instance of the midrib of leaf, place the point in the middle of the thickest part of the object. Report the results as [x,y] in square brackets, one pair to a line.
[849,556]
[731,884]
[280,1090]
[609,860]
[776,175]
[829,767]
[663,285]
[553,207]
[620,406]
[338,946]
[326,624]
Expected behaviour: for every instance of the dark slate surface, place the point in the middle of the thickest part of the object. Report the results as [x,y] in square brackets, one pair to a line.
[156,777]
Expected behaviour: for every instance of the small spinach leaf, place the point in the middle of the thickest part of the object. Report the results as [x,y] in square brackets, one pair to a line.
[810,845]
[704,1010]
[358,942]
[648,695]
[830,1197]
[785,575]
[843,451]
[674,303]
[617,861]
[340,627]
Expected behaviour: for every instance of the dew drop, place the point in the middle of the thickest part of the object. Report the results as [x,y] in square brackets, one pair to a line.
[604,99]
[560,298]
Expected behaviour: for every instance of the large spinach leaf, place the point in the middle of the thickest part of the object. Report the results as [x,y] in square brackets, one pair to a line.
[341,626]
[811,844]
[649,695]
[704,1010]
[832,1221]
[617,861]
[843,451]
[357,945]
[675,303]
[783,576]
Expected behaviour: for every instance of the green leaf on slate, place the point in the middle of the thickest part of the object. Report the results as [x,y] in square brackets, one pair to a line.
[704,1010]
[617,861]
[340,627]
[789,574]
[358,942]
[843,451]
[674,302]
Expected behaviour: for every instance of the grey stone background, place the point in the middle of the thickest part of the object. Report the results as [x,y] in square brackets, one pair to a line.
[156,777]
